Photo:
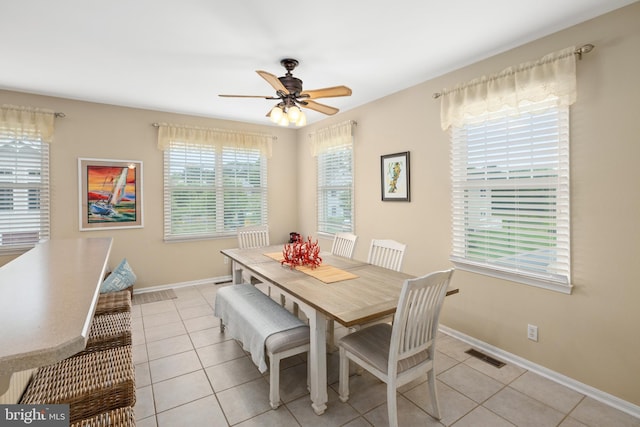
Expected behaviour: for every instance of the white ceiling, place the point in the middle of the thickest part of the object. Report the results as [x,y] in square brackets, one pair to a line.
[177,56]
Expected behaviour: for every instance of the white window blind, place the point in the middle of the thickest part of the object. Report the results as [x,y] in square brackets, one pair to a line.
[335,189]
[24,192]
[211,190]
[510,173]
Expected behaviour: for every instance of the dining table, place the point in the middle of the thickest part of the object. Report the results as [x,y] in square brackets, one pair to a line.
[345,290]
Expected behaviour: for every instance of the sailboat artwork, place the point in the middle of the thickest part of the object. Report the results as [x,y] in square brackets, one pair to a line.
[111,194]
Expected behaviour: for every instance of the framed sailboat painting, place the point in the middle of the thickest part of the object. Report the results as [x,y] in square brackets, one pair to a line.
[110,194]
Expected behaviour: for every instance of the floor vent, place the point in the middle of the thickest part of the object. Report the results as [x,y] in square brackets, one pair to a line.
[490,360]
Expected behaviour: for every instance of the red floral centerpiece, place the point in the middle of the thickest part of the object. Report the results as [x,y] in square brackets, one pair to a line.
[302,252]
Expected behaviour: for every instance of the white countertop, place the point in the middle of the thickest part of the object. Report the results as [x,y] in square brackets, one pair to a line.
[47,300]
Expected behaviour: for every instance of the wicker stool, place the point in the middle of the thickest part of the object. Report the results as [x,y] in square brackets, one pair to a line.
[121,417]
[113,302]
[108,331]
[91,384]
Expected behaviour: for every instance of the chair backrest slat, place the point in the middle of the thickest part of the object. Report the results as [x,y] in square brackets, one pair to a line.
[253,236]
[386,253]
[344,244]
[415,324]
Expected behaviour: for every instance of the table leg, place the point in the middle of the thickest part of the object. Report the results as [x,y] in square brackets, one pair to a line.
[236,273]
[318,361]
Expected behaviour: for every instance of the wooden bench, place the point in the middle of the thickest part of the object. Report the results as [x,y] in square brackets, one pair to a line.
[262,326]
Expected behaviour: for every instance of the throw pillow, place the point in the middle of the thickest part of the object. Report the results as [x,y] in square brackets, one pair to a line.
[120,278]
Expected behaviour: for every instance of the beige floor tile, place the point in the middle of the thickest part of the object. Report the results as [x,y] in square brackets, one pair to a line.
[197,299]
[165,331]
[279,418]
[481,417]
[139,352]
[523,410]
[453,348]
[136,311]
[174,366]
[358,422]
[196,311]
[144,406]
[157,307]
[201,412]
[219,353]
[161,319]
[546,391]
[337,413]
[147,422]
[201,323]
[143,375]
[595,414]
[232,373]
[453,405]
[473,384]
[169,346]
[571,422]
[365,392]
[180,390]
[506,374]
[408,415]
[245,401]
[207,337]
[293,382]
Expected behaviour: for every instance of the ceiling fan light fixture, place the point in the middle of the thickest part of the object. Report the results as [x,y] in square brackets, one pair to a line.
[293,113]
[276,114]
[302,120]
[284,120]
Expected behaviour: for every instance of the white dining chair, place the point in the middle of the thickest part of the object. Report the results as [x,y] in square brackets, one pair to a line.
[344,244]
[253,236]
[399,353]
[386,253]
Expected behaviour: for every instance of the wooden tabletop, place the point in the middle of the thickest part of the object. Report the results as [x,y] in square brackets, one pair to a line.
[371,295]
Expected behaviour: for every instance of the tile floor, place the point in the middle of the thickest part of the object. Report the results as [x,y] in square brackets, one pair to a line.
[190,374]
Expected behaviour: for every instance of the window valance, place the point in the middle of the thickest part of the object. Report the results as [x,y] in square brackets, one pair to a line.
[338,135]
[217,137]
[553,76]
[27,122]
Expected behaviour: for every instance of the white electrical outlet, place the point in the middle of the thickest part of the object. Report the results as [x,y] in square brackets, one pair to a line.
[226,260]
[532,332]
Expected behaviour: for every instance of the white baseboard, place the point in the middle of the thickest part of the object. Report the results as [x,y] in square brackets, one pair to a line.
[606,398]
[213,280]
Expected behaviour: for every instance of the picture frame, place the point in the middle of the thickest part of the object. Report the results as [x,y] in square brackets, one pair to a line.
[395,177]
[110,194]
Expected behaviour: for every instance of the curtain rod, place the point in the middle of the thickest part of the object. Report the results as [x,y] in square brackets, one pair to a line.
[579,51]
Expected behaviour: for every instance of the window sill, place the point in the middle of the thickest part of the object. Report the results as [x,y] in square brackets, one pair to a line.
[536,281]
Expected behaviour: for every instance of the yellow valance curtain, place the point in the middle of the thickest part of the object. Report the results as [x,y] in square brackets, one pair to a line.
[553,76]
[216,137]
[27,122]
[338,135]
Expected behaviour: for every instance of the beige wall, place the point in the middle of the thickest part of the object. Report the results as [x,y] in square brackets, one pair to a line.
[109,132]
[592,335]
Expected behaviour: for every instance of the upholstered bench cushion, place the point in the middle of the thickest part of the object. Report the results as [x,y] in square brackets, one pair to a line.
[281,341]
[252,318]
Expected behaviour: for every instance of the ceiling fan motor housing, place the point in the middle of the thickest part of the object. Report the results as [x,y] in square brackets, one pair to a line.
[293,84]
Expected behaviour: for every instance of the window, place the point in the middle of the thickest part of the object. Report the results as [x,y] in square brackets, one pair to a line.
[335,190]
[24,192]
[333,149]
[511,194]
[211,190]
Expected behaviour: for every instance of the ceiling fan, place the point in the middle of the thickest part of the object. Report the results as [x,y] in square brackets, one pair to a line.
[291,96]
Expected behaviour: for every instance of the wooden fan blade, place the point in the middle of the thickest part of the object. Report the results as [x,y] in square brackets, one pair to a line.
[325,109]
[248,96]
[327,92]
[273,81]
